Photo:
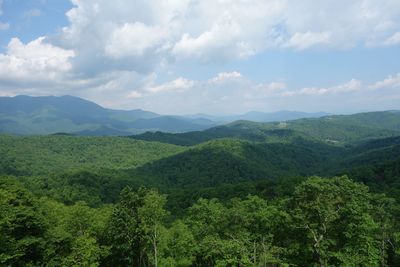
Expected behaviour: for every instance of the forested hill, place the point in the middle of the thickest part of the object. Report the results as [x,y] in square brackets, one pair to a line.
[337,129]
[213,163]
[77,201]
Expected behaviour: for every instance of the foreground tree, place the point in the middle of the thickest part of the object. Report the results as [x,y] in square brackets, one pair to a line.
[133,230]
[334,223]
[22,227]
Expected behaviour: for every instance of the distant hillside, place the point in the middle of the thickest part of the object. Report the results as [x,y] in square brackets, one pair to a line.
[209,164]
[331,129]
[228,161]
[273,116]
[38,155]
[49,114]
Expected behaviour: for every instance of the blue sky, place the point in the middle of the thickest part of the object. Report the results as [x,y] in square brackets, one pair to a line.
[183,57]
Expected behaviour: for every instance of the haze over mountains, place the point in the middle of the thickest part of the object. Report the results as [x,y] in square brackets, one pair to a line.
[67,114]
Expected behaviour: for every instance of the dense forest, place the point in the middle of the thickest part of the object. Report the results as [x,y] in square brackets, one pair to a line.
[309,192]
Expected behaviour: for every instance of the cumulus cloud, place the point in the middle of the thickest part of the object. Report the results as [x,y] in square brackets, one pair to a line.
[226,76]
[133,39]
[177,85]
[392,81]
[223,40]
[34,61]
[138,35]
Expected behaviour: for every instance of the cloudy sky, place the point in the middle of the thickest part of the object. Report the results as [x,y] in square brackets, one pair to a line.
[208,56]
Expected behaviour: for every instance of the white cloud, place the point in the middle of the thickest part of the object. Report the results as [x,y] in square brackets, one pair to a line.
[308,39]
[34,61]
[392,81]
[178,85]
[133,39]
[142,35]
[226,76]
[4,26]
[349,23]
[223,38]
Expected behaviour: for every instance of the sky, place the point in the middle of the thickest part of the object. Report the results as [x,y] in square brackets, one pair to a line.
[205,56]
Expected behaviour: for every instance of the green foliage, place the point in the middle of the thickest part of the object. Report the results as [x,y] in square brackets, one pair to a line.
[240,234]
[22,227]
[178,246]
[231,161]
[238,201]
[323,222]
[133,230]
[335,221]
[40,155]
[84,252]
[36,231]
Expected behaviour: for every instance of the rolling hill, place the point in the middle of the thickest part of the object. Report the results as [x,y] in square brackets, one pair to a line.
[208,164]
[335,129]
[41,155]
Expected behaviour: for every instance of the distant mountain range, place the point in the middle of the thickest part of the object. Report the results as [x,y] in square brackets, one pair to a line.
[258,116]
[28,115]
[68,114]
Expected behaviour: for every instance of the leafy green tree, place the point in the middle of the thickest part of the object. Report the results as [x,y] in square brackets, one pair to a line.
[263,223]
[133,230]
[238,234]
[152,215]
[335,225]
[178,246]
[384,210]
[85,251]
[73,233]
[22,226]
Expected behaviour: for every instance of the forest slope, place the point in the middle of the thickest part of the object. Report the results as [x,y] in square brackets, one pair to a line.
[341,130]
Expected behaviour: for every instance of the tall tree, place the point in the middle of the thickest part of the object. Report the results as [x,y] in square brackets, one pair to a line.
[22,226]
[334,220]
[133,230]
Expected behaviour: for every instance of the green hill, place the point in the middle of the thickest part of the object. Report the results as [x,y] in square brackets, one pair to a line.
[36,155]
[340,130]
[72,168]
[228,161]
